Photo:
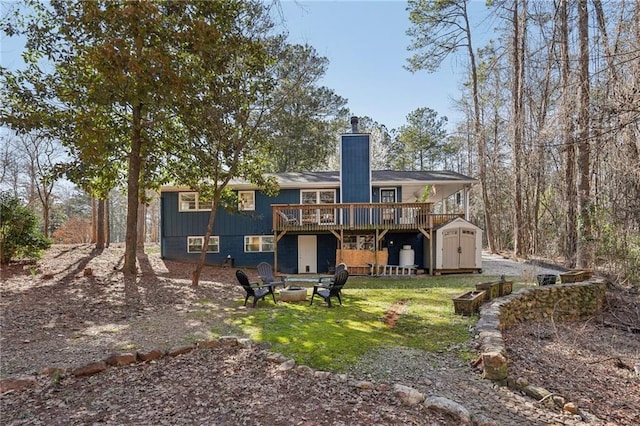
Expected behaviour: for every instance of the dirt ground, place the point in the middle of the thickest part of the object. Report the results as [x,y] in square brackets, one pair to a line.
[55,316]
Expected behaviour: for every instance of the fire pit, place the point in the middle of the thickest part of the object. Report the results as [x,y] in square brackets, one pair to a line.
[293,294]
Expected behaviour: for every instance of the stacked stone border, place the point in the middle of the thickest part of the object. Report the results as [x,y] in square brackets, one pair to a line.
[562,302]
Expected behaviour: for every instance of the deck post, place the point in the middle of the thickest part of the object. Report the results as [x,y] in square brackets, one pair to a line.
[275,252]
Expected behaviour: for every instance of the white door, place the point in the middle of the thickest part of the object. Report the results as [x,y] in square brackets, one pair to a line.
[467,248]
[450,245]
[307,254]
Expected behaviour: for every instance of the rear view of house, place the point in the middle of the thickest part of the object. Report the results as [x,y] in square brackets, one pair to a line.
[356,215]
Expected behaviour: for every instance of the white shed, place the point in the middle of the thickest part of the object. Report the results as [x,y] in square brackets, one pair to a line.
[456,247]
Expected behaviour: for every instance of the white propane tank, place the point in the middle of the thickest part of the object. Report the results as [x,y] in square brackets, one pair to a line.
[407,256]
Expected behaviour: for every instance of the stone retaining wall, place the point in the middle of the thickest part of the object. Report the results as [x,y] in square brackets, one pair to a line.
[564,302]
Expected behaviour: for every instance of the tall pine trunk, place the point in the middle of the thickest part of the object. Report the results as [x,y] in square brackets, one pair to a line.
[519,20]
[583,255]
[571,195]
[133,192]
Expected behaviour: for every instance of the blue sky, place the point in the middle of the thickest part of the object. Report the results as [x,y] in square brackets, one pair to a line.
[366,44]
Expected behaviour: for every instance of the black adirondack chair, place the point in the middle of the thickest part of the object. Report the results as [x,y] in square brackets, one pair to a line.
[253,289]
[265,271]
[332,289]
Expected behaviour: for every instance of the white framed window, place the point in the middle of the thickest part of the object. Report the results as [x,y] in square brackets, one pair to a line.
[246,200]
[318,196]
[192,202]
[258,243]
[194,244]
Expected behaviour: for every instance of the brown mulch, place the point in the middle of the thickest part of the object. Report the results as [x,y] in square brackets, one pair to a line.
[595,363]
[71,319]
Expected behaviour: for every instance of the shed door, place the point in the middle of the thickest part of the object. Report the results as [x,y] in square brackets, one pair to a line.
[307,254]
[467,248]
[450,255]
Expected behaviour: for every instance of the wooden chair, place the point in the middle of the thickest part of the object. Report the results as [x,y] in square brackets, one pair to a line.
[253,289]
[332,289]
[265,271]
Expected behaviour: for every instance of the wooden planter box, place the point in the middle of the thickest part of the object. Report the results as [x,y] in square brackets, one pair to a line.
[572,277]
[492,289]
[546,279]
[469,303]
[506,287]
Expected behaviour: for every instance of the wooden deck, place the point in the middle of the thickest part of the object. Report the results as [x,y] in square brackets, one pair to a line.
[316,218]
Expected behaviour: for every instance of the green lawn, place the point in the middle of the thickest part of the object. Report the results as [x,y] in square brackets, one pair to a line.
[331,339]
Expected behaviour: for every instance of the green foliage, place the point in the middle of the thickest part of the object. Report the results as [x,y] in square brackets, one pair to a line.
[305,117]
[19,234]
[421,142]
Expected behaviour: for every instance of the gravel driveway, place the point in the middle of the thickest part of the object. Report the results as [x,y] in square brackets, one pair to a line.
[496,264]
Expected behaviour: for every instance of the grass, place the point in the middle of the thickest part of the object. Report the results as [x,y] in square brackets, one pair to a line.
[332,339]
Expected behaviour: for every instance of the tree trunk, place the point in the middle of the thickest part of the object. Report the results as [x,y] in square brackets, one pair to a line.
[571,195]
[518,118]
[583,255]
[107,225]
[133,189]
[100,225]
[195,278]
[480,143]
[142,224]
[94,221]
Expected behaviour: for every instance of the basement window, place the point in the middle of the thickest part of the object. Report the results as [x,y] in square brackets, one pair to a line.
[194,244]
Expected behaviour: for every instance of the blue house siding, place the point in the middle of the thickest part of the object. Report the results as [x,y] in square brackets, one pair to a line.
[231,228]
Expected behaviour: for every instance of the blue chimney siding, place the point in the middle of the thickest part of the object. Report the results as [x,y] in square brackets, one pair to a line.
[355,174]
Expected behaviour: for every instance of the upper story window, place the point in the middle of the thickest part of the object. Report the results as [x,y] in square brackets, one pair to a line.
[322,216]
[192,201]
[194,244]
[317,196]
[246,200]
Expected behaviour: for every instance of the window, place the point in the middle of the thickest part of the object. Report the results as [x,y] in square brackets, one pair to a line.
[319,216]
[191,202]
[258,243]
[358,242]
[194,244]
[247,200]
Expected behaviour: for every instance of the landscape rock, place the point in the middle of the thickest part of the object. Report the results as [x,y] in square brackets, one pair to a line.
[450,407]
[17,383]
[144,356]
[121,359]
[90,369]
[180,350]
[408,395]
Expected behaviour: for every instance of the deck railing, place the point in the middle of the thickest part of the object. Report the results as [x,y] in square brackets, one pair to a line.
[356,216]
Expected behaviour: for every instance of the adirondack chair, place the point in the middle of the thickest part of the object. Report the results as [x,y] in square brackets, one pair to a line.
[265,271]
[339,268]
[253,290]
[332,289]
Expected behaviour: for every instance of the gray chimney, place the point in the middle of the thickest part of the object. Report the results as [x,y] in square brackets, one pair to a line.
[354,124]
